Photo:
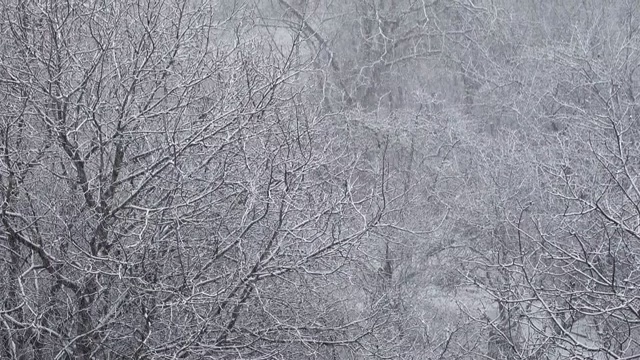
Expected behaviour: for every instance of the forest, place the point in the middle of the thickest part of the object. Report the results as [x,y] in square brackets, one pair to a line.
[320,179]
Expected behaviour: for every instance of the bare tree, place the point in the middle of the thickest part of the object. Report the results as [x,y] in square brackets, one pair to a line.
[168,191]
[560,266]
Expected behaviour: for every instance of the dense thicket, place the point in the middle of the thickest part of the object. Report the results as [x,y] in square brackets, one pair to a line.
[298,179]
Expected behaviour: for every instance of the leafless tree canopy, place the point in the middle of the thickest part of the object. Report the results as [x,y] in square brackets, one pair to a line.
[313,179]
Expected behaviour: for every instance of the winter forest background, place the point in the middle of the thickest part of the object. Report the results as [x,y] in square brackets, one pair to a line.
[317,179]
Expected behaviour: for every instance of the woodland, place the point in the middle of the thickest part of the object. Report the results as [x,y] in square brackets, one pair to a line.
[319,179]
